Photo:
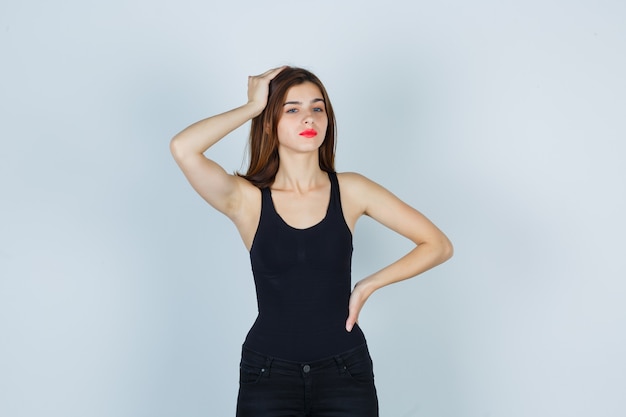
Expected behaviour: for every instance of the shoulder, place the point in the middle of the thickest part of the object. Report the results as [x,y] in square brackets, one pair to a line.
[371,197]
[248,202]
[353,182]
[249,191]
[352,179]
[358,190]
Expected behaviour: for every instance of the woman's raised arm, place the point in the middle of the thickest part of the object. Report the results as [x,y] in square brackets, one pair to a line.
[220,189]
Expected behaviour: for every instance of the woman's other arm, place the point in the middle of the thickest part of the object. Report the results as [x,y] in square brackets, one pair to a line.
[432,247]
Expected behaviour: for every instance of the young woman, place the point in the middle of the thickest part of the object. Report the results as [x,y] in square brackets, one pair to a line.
[305,355]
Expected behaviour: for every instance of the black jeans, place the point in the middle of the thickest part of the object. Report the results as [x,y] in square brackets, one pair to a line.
[341,386]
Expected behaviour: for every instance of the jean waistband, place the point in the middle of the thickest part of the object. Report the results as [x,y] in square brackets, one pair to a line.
[282,365]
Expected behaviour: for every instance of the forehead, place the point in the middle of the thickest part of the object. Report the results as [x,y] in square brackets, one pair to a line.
[303,92]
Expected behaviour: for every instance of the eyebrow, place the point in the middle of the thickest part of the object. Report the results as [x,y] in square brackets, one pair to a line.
[315,100]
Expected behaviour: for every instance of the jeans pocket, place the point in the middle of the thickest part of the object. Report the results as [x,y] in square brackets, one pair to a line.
[249,374]
[360,368]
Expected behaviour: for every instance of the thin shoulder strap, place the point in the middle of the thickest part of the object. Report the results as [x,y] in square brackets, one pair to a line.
[266,200]
[335,198]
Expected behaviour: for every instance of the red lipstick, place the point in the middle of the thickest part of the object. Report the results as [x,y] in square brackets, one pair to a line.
[309,133]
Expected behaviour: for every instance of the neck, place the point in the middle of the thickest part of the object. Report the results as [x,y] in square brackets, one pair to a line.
[299,172]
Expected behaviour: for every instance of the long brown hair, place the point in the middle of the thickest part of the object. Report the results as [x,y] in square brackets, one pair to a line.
[263,142]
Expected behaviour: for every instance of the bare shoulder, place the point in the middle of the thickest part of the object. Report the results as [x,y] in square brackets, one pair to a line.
[359,189]
[357,196]
[351,177]
[373,200]
[353,182]
[249,203]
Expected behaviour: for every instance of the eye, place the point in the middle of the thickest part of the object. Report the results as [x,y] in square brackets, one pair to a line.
[291,111]
[318,109]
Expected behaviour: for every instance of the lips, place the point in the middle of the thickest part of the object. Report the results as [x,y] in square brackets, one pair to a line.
[309,133]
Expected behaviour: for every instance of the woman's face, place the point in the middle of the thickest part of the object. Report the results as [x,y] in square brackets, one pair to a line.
[303,122]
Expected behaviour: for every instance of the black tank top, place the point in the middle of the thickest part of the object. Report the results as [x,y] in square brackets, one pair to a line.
[302,279]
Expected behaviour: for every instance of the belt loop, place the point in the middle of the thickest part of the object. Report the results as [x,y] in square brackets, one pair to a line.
[268,365]
[341,366]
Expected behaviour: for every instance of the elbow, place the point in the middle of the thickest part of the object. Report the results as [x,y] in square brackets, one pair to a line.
[447,250]
[176,148]
[444,249]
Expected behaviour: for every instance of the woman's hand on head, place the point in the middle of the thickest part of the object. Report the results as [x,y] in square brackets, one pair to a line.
[259,88]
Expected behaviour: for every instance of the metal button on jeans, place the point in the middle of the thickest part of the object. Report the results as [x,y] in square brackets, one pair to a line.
[306,369]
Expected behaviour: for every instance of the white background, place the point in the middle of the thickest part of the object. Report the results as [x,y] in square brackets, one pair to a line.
[123,294]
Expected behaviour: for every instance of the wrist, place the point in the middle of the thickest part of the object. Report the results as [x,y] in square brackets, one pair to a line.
[254,108]
[367,285]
